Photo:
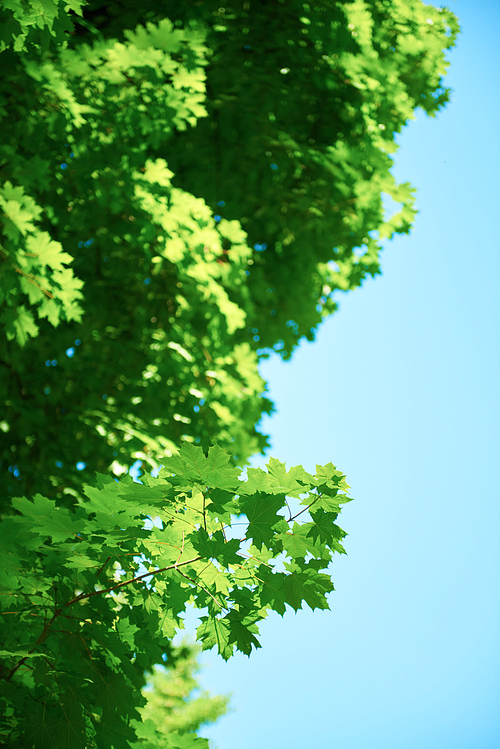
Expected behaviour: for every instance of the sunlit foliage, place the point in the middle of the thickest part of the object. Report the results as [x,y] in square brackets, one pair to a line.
[186,188]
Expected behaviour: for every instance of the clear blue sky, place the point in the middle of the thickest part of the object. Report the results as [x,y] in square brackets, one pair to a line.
[400,391]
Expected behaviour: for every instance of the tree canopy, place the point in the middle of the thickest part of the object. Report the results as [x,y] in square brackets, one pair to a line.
[186,188]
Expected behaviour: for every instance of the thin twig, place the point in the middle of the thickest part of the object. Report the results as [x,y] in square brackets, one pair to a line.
[203,588]
[42,637]
[102,567]
[181,551]
[306,508]
[29,278]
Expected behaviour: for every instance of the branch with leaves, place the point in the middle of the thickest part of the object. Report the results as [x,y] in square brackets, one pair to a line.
[174,539]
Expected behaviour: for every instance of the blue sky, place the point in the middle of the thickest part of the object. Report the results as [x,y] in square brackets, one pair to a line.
[400,391]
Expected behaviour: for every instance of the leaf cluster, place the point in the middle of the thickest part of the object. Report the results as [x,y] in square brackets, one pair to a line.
[33,25]
[92,597]
[304,103]
[159,359]
[187,188]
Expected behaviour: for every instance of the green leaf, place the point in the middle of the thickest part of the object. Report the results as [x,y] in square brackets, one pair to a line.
[221,504]
[126,632]
[176,740]
[168,623]
[257,481]
[213,631]
[324,529]
[293,482]
[299,542]
[262,513]
[306,585]
[242,634]
[19,324]
[51,310]
[216,547]
[42,730]
[47,519]
[214,578]
[19,654]
[48,251]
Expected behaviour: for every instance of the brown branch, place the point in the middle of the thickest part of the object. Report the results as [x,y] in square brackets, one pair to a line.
[305,509]
[102,567]
[29,278]
[42,637]
[84,596]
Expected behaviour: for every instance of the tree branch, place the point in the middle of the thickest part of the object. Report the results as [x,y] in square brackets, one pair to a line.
[85,596]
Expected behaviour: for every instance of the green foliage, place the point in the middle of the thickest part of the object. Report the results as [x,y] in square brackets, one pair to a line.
[164,284]
[185,187]
[50,287]
[304,102]
[170,702]
[92,597]
[36,24]
[125,137]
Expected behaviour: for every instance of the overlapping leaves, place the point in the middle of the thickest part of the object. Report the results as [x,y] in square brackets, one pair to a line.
[163,357]
[103,588]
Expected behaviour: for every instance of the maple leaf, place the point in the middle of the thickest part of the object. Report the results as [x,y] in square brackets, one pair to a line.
[324,529]
[213,631]
[257,481]
[69,284]
[212,470]
[211,576]
[19,324]
[168,622]
[216,547]
[241,633]
[293,482]
[48,251]
[299,542]
[158,172]
[51,310]
[33,289]
[53,729]
[221,504]
[306,585]
[262,513]
[176,740]
[19,209]
[126,631]
[272,593]
[47,519]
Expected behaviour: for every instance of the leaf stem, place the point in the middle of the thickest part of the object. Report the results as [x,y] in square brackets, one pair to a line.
[203,588]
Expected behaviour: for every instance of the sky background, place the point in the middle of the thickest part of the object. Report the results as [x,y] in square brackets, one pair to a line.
[400,391]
